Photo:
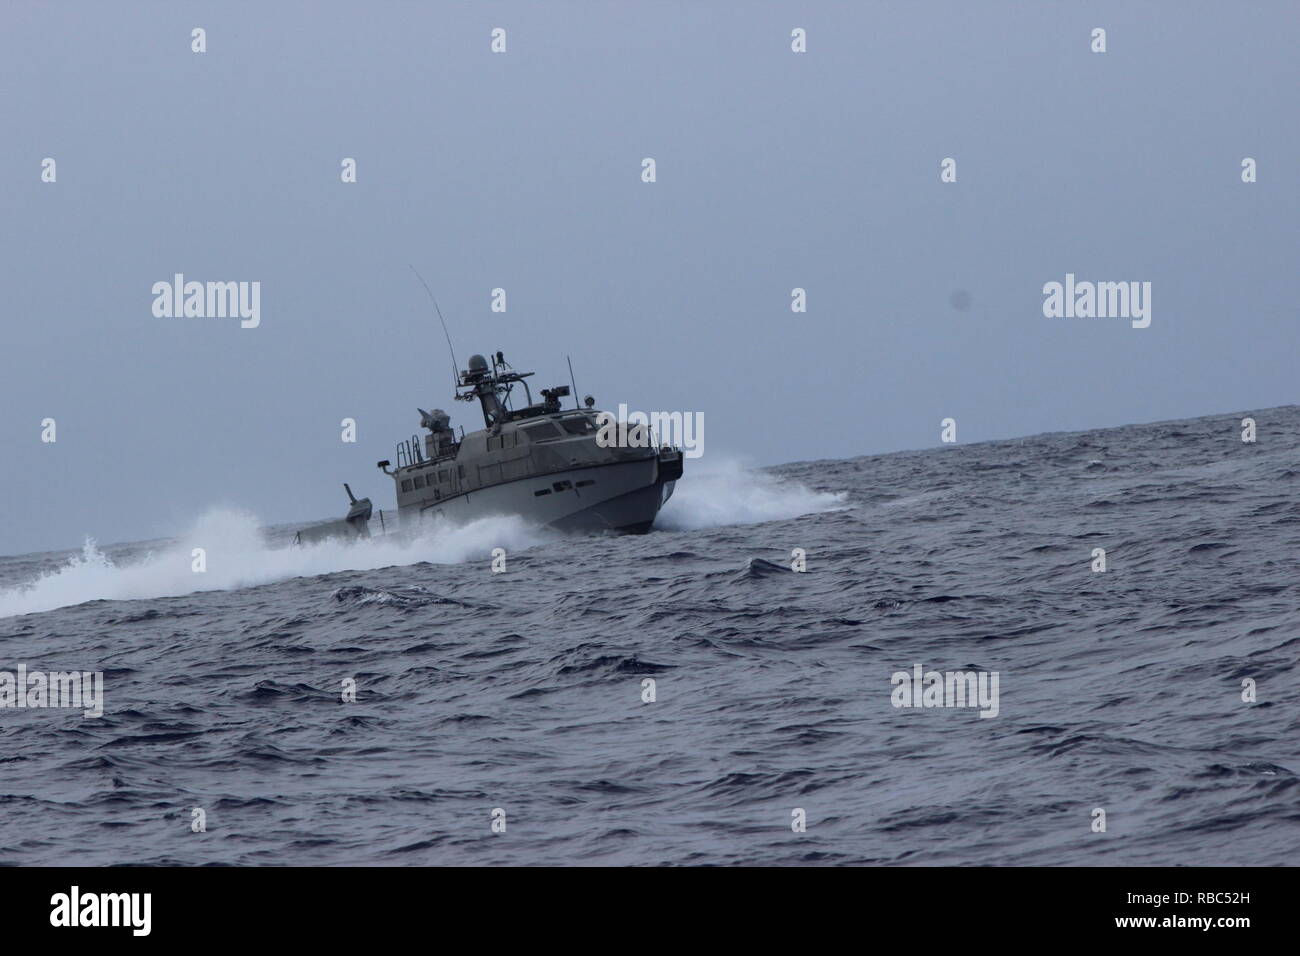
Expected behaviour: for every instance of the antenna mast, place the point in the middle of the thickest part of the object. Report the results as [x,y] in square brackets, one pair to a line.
[455,374]
[573,381]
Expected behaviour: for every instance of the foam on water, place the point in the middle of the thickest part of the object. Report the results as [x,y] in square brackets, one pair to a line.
[237,553]
[726,491]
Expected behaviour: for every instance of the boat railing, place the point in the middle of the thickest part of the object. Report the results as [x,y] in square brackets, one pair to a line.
[410,452]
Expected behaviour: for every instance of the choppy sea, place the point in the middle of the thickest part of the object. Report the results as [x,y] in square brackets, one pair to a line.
[1162,691]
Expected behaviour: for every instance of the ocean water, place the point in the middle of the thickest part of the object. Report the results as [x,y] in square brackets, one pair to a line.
[522,692]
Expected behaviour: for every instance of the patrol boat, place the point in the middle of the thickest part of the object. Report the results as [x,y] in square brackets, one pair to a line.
[540,461]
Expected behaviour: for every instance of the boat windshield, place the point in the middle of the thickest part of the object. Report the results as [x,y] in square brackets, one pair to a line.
[543,431]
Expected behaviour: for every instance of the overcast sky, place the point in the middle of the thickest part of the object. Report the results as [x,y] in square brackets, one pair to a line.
[523,170]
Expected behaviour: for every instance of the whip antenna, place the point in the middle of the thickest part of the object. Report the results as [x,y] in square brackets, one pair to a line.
[455,376]
[573,380]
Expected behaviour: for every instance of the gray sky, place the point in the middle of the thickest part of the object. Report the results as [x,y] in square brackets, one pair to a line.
[522,170]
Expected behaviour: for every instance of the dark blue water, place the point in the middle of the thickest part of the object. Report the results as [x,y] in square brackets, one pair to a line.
[523,690]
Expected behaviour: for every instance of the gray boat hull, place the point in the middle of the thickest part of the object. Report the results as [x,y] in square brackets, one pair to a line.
[622,497]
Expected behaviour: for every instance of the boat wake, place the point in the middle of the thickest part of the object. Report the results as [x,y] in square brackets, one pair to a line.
[726,491]
[237,553]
